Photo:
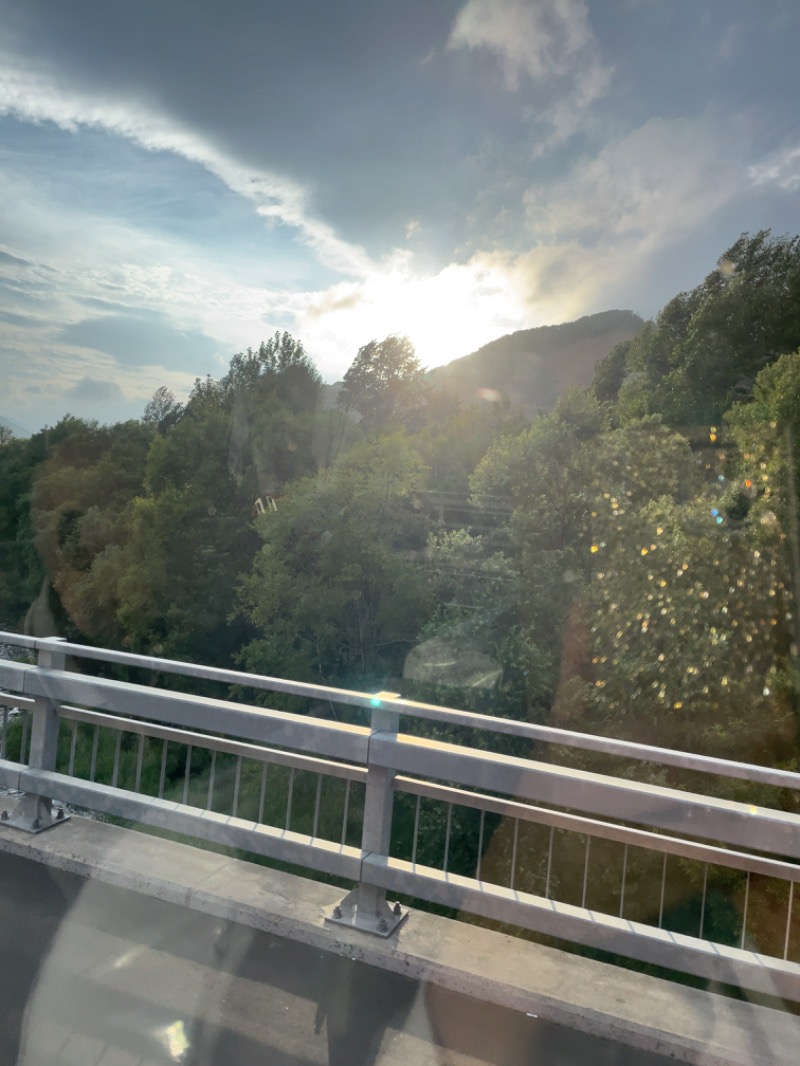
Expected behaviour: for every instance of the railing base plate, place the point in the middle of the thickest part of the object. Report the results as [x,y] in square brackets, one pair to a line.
[387,921]
[30,814]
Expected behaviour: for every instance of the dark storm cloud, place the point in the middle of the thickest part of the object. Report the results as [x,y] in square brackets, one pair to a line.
[144,340]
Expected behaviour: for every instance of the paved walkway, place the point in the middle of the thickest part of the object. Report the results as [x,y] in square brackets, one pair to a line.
[97,976]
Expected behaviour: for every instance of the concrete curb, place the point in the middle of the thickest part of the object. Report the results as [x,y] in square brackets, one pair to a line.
[598,999]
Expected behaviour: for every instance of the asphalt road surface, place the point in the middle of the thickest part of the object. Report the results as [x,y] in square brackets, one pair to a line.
[96,976]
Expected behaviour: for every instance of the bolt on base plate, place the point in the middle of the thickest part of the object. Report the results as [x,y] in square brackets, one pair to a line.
[32,815]
[383,924]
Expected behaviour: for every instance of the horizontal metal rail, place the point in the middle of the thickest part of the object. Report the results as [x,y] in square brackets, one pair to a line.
[432,712]
[759,828]
[212,743]
[18,640]
[12,700]
[281,844]
[335,739]
[660,947]
[620,834]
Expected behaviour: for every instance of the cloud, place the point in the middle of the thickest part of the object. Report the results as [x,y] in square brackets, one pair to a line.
[144,340]
[35,94]
[40,386]
[540,40]
[657,180]
[605,229]
[6,258]
[732,44]
[19,320]
[549,43]
[92,391]
[782,170]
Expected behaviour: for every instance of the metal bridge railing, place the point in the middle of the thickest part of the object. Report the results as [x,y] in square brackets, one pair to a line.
[681,879]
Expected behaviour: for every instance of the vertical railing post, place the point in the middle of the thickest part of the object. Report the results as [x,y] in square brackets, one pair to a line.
[365,907]
[34,812]
[376,831]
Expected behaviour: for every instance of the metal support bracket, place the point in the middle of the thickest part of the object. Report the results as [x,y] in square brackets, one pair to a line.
[31,814]
[382,921]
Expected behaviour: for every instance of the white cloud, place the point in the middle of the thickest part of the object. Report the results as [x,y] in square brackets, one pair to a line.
[549,42]
[38,96]
[540,40]
[659,179]
[600,230]
[782,170]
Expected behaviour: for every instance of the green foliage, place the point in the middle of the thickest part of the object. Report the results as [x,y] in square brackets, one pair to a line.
[384,384]
[79,512]
[333,593]
[162,410]
[707,346]
[21,570]
[610,372]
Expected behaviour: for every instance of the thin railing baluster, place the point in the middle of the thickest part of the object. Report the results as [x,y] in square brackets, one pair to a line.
[211,776]
[315,826]
[139,761]
[24,741]
[115,771]
[289,798]
[703,901]
[788,920]
[480,846]
[549,864]
[586,871]
[744,914]
[262,794]
[4,737]
[72,745]
[346,810]
[95,742]
[514,844]
[187,774]
[663,887]
[416,833]
[236,783]
[163,776]
[624,878]
[447,836]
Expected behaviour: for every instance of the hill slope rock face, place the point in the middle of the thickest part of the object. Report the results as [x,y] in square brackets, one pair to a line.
[533,367]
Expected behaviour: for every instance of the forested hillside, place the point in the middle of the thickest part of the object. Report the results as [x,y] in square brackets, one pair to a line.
[623,563]
[533,367]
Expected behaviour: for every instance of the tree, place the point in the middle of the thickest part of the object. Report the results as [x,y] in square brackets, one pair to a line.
[80,507]
[384,383]
[707,346]
[280,364]
[162,410]
[333,593]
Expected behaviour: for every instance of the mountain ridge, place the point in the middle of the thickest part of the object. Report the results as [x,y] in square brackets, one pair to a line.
[533,367]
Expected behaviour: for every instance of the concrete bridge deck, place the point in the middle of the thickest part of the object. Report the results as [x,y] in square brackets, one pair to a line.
[120,949]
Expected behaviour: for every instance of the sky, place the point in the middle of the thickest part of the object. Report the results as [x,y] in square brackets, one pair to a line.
[180,179]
